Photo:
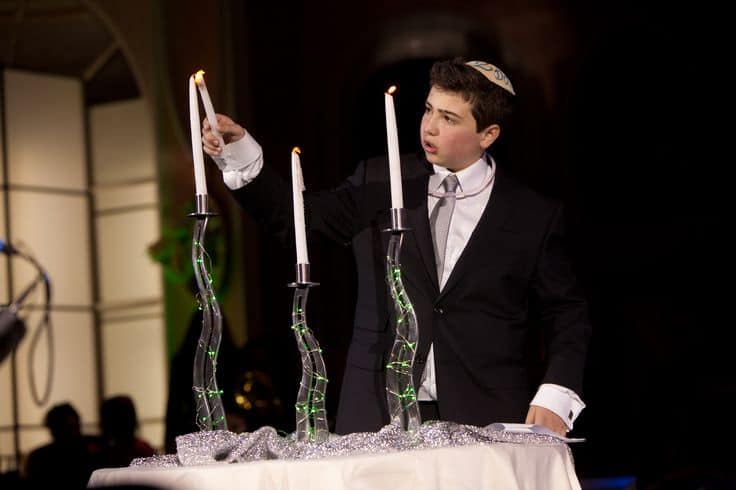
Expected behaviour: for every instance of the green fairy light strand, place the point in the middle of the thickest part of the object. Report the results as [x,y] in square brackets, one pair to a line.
[400,392]
[207,396]
[311,418]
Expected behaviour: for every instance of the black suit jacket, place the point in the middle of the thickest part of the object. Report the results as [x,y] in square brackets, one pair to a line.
[509,317]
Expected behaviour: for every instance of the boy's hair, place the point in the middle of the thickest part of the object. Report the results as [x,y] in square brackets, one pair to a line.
[490,104]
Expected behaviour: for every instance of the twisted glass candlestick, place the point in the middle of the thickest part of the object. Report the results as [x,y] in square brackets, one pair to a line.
[311,417]
[400,391]
[207,396]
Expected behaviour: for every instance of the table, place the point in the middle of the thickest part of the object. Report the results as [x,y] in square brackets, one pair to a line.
[505,466]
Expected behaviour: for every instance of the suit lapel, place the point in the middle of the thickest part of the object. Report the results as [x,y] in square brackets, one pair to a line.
[494,215]
[422,238]
[417,253]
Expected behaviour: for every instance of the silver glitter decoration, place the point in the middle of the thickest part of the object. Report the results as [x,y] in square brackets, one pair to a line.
[221,446]
[158,461]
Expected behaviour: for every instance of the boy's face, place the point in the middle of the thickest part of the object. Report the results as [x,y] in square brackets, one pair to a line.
[448,134]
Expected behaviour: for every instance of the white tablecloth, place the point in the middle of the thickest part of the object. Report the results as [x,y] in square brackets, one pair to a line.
[503,466]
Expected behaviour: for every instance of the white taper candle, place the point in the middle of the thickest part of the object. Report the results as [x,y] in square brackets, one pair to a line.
[200,182]
[394,161]
[209,109]
[297,186]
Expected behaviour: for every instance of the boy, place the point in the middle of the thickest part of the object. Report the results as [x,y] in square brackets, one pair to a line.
[498,308]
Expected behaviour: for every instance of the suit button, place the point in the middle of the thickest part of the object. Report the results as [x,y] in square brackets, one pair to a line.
[439,310]
[420,360]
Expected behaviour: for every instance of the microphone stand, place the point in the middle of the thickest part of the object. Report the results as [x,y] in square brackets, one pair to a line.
[13,328]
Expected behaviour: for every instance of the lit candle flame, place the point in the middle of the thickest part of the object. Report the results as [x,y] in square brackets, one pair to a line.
[391,90]
[296,150]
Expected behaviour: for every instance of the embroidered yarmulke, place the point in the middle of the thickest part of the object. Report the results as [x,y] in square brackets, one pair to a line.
[493,74]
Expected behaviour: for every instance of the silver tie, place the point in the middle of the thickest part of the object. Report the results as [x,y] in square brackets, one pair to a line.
[439,221]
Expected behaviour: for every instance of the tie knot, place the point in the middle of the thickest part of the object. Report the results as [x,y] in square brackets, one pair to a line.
[450,183]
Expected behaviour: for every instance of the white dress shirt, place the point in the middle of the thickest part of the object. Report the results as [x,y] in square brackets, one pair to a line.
[241,162]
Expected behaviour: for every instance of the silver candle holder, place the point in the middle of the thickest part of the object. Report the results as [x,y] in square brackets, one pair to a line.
[400,392]
[311,416]
[207,396]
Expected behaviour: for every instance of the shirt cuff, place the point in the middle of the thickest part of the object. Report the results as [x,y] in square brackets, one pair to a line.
[240,162]
[562,401]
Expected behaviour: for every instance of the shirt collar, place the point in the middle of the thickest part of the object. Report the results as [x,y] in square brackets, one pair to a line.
[468,178]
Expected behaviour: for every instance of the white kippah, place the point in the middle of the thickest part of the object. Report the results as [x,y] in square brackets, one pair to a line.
[493,74]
